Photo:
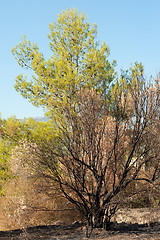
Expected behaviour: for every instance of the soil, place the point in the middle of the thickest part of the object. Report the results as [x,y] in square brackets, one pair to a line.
[117,231]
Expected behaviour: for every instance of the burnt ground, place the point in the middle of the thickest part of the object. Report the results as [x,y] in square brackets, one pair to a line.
[76,230]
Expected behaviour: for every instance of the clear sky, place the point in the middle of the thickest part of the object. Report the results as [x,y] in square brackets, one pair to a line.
[130,27]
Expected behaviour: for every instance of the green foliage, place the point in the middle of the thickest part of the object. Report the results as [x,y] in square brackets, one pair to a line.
[14,131]
[6,145]
[40,131]
[77,60]
[130,82]
[4,167]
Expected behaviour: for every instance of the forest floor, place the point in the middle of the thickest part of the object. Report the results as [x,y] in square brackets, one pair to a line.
[117,231]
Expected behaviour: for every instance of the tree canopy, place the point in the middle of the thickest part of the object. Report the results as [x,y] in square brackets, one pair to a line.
[77,60]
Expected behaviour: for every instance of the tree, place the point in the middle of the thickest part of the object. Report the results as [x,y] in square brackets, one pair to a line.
[101,153]
[101,136]
[4,164]
[8,129]
[77,60]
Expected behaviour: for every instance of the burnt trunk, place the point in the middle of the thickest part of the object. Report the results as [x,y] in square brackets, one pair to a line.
[100,219]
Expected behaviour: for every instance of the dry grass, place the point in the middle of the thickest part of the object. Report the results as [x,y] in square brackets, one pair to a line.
[27,204]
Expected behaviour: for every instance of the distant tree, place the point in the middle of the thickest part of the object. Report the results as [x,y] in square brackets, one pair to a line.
[8,138]
[4,165]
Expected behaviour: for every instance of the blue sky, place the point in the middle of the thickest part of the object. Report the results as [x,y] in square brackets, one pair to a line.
[130,27]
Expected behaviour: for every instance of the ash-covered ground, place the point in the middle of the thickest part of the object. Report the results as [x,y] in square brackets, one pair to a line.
[76,230]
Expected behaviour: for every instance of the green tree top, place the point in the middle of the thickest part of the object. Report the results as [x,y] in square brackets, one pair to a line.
[77,60]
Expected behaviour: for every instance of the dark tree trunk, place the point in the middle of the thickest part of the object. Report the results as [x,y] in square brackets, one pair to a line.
[101,219]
